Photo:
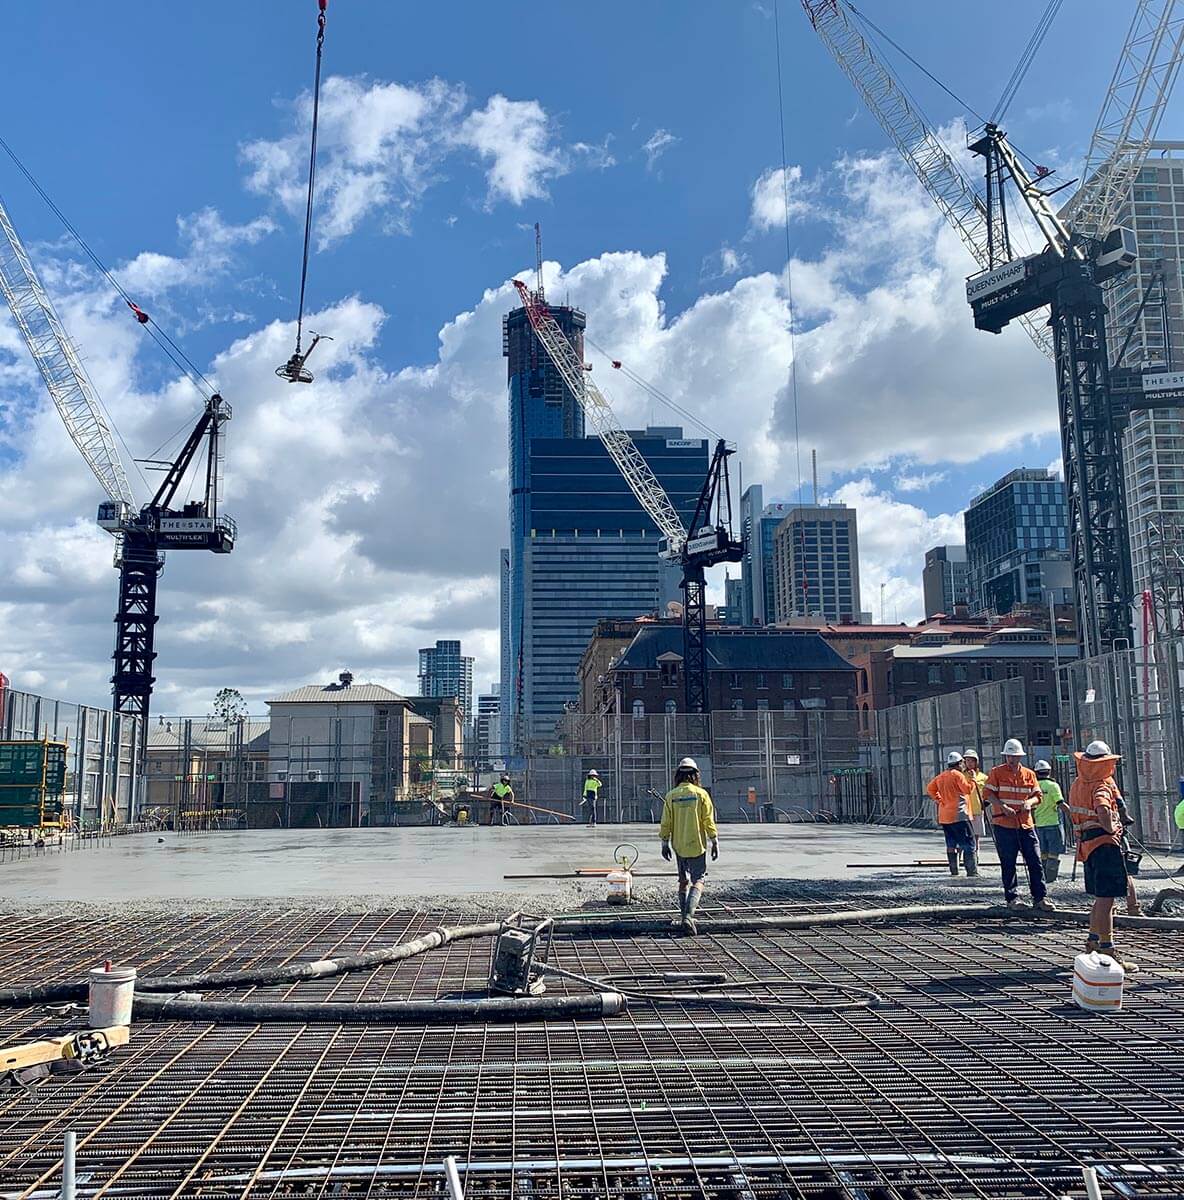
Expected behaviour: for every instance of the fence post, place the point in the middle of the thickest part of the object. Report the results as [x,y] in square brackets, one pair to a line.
[1124,662]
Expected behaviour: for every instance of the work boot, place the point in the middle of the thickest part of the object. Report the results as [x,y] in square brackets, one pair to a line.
[688,921]
[1091,943]
[1108,949]
[1052,868]
[970,862]
[952,858]
[1013,902]
[682,911]
[1044,905]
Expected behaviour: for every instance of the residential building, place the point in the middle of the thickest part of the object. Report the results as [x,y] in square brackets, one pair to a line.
[759,523]
[205,766]
[445,671]
[449,727]
[488,740]
[943,580]
[610,639]
[343,753]
[749,671]
[1153,442]
[816,563]
[1017,543]
[934,664]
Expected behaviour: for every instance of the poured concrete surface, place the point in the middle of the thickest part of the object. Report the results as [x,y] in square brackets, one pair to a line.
[416,863]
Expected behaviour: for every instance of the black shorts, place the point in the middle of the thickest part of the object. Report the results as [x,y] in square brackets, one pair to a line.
[694,868]
[1105,872]
[959,835]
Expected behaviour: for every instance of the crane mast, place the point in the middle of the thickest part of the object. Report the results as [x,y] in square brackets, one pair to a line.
[709,540]
[1083,251]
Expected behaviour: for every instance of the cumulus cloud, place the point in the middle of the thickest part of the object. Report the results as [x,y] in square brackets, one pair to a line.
[769,197]
[921,481]
[516,138]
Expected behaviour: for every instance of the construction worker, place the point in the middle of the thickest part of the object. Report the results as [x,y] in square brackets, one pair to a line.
[1047,817]
[1013,792]
[978,777]
[952,791]
[688,825]
[1093,809]
[592,787]
[500,795]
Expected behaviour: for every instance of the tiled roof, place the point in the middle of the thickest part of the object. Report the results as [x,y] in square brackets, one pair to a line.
[737,650]
[206,734]
[331,693]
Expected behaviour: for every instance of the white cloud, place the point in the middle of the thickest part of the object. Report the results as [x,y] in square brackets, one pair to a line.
[772,191]
[725,263]
[921,481]
[517,137]
[656,145]
[893,537]
[1057,467]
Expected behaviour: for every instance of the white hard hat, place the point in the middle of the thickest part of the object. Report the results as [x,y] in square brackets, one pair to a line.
[970,754]
[953,758]
[1042,764]
[1014,746]
[1098,749]
[689,764]
[594,773]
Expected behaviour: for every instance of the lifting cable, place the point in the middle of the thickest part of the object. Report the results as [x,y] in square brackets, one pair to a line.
[176,355]
[1026,58]
[294,370]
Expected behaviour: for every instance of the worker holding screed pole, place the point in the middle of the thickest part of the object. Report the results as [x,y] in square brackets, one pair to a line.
[1013,792]
[977,808]
[688,825]
[952,791]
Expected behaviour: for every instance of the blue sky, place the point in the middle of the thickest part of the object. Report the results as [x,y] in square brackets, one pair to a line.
[631,130]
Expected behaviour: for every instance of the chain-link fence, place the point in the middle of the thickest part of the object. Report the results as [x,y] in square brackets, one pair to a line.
[912,741]
[102,766]
[1134,701]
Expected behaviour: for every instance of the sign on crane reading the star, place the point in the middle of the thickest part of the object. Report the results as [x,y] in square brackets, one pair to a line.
[1164,385]
[186,524]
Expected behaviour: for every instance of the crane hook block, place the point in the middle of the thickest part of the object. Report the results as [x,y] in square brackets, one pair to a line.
[138,313]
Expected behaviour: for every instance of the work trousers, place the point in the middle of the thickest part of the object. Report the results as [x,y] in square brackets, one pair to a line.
[590,807]
[1010,843]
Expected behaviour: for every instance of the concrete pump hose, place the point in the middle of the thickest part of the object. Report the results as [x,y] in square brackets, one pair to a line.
[286,973]
[388,1012]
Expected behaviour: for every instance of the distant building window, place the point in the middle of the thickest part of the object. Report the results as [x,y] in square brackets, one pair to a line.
[987,671]
[788,706]
[1038,672]
[760,679]
[935,674]
[737,708]
[1016,704]
[787,681]
[735,680]
[1040,705]
[638,678]
[669,674]
[762,706]
[1013,670]
[639,708]
[671,707]
[960,674]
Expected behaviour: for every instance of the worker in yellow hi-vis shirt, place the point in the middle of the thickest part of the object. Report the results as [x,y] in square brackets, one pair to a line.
[688,825]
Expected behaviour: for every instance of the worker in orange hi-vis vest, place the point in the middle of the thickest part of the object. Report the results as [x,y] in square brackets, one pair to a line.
[1093,808]
[952,790]
[1013,791]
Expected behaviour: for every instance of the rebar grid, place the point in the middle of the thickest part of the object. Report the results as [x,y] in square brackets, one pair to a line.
[980,1081]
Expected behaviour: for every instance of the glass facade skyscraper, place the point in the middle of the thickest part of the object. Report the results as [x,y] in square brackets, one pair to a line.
[943,580]
[445,671]
[1017,543]
[815,563]
[581,547]
[759,522]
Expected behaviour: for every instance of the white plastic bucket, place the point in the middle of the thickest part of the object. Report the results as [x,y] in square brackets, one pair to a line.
[620,886]
[1097,982]
[111,996]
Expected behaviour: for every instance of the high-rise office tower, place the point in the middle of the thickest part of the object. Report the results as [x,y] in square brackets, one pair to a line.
[488,737]
[816,563]
[943,580]
[505,691]
[445,671]
[759,522]
[1017,543]
[1153,443]
[581,547]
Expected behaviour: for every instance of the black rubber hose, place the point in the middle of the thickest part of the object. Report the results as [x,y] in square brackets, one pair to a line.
[286,973]
[390,1012]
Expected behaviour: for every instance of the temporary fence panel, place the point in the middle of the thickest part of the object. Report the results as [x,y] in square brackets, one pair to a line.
[1134,701]
[100,774]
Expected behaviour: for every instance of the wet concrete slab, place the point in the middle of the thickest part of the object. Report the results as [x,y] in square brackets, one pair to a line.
[427,862]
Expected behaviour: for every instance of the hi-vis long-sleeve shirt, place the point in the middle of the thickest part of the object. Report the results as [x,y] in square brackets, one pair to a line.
[688,820]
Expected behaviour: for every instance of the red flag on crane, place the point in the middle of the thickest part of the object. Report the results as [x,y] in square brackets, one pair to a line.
[138,313]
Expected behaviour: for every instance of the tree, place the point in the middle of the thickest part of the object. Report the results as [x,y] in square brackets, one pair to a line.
[229,705]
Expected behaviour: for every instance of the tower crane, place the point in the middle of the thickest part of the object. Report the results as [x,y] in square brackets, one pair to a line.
[709,540]
[1084,250]
[142,535]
